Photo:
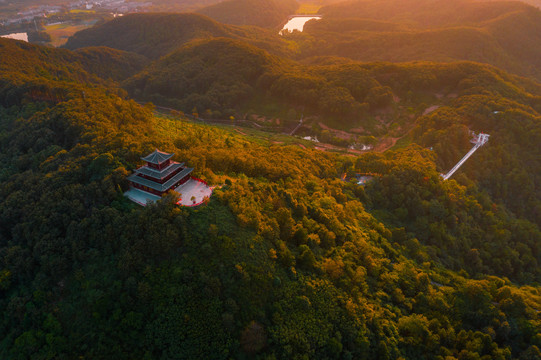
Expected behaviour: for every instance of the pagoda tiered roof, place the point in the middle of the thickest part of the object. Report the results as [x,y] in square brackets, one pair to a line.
[157,157]
[157,186]
[159,174]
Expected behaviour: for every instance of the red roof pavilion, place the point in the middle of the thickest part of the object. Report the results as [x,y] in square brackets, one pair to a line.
[160,174]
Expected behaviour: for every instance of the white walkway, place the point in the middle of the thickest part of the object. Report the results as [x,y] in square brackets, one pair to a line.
[193,188]
[479,141]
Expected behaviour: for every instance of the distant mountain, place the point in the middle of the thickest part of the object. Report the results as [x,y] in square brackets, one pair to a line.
[180,5]
[155,35]
[504,34]
[424,13]
[223,73]
[265,13]
[208,74]
[536,3]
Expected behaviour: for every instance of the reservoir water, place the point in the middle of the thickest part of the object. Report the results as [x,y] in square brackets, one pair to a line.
[17,36]
[297,23]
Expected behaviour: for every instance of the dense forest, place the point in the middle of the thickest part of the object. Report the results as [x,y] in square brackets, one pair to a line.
[288,259]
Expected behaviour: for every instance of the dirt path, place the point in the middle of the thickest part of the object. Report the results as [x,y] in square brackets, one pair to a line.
[338,133]
[386,144]
[429,109]
[240,132]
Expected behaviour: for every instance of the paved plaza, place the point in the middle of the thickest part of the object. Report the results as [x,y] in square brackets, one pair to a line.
[194,188]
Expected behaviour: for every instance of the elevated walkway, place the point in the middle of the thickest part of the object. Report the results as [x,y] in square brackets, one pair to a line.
[479,141]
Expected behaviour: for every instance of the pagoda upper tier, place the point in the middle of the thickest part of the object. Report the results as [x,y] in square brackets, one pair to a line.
[157,157]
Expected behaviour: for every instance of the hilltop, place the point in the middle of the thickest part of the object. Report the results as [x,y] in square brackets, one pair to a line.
[503,34]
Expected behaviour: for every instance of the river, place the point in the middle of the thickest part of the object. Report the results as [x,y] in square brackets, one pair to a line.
[17,36]
[297,23]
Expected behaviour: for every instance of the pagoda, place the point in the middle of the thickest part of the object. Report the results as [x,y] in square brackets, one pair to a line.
[159,175]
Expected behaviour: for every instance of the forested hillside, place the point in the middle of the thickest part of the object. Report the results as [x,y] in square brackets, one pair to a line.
[156,35]
[289,259]
[264,13]
[286,261]
[39,73]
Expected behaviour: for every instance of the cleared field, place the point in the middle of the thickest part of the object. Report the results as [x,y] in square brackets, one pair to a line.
[308,8]
[82,11]
[61,32]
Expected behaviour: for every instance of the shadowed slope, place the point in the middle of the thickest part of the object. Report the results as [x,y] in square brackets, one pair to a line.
[155,35]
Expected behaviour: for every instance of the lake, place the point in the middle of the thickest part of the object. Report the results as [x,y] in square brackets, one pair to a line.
[17,36]
[297,23]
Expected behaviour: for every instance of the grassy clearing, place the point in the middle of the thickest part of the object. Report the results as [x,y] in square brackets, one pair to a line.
[170,127]
[61,32]
[403,142]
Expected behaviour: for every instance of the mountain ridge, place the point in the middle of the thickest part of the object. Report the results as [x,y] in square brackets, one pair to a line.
[156,34]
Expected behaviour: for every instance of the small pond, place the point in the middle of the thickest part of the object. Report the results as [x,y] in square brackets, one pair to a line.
[297,23]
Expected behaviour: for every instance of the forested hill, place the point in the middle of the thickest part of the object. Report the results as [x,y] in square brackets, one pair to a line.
[41,73]
[156,35]
[264,13]
[285,261]
[504,34]
[20,61]
[212,75]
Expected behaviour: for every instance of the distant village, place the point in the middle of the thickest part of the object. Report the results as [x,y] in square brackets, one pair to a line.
[43,11]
